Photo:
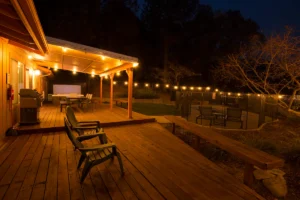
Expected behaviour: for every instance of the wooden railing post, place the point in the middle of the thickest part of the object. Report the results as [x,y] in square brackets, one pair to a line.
[248,175]
[101,88]
[111,90]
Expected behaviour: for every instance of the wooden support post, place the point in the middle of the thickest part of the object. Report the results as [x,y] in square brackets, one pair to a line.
[101,89]
[111,90]
[173,128]
[130,91]
[248,175]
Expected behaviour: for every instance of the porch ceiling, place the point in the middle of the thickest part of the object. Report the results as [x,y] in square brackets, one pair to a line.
[19,23]
[69,56]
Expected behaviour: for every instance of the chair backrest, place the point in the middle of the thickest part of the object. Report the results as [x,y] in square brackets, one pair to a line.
[71,136]
[87,94]
[234,113]
[71,116]
[205,110]
[91,95]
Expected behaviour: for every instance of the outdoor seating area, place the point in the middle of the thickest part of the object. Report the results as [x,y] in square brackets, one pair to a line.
[51,119]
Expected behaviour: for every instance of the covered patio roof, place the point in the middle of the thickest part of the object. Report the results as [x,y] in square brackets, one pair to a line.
[81,58]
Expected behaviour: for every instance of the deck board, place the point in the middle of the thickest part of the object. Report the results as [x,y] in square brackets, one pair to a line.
[157,165]
[51,119]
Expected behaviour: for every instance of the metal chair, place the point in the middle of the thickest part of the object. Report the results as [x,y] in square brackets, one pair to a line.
[234,115]
[93,155]
[206,112]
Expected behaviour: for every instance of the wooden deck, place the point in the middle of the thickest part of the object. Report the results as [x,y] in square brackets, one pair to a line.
[157,164]
[51,119]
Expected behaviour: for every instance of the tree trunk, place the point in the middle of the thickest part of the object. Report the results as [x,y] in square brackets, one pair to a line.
[292,98]
[166,59]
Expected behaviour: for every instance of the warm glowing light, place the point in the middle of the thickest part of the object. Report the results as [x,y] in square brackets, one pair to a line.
[216,90]
[207,88]
[74,70]
[135,64]
[157,85]
[115,83]
[221,92]
[136,84]
[146,85]
[280,96]
[191,88]
[64,49]
[106,69]
[93,74]
[30,71]
[183,87]
[167,85]
[30,57]
[258,95]
[239,94]
[175,87]
[103,57]
[125,83]
[37,72]
[229,93]
[118,73]
[55,68]
[199,88]
[248,94]
[106,77]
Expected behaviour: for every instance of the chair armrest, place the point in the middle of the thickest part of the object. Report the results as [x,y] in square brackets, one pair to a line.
[90,136]
[85,127]
[97,147]
[89,122]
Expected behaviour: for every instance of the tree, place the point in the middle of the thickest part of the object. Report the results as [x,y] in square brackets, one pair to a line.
[175,73]
[268,67]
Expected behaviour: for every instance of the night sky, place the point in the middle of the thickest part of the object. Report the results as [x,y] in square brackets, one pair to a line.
[271,15]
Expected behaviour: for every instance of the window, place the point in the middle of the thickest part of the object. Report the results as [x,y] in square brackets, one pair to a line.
[17,79]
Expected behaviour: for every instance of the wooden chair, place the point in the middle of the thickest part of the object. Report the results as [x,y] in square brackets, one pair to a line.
[206,112]
[81,126]
[87,101]
[64,103]
[93,155]
[234,115]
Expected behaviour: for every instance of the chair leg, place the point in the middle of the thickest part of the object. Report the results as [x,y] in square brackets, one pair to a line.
[87,166]
[120,163]
[82,157]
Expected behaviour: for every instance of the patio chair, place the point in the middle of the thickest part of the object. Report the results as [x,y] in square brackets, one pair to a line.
[93,155]
[81,126]
[66,102]
[87,101]
[206,112]
[234,115]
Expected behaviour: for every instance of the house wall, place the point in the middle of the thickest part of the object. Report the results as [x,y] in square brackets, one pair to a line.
[9,112]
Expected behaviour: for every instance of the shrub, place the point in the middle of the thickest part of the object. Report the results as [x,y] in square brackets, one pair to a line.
[261,144]
[146,93]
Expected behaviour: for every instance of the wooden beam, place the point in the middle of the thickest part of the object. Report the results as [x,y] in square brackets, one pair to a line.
[34,50]
[13,24]
[111,90]
[8,10]
[15,35]
[130,91]
[101,89]
[122,67]
[29,17]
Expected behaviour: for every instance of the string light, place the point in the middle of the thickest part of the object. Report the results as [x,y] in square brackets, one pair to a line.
[167,85]
[106,77]
[207,88]
[216,90]
[135,64]
[136,84]
[191,88]
[55,68]
[118,73]
[125,83]
[229,93]
[37,72]
[183,87]
[280,96]
[239,94]
[30,57]
[146,85]
[258,95]
[157,85]
[175,87]
[64,49]
[199,88]
[74,70]
[103,57]
[115,83]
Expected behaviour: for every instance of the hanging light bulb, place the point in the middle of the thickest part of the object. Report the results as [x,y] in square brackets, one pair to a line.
[167,85]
